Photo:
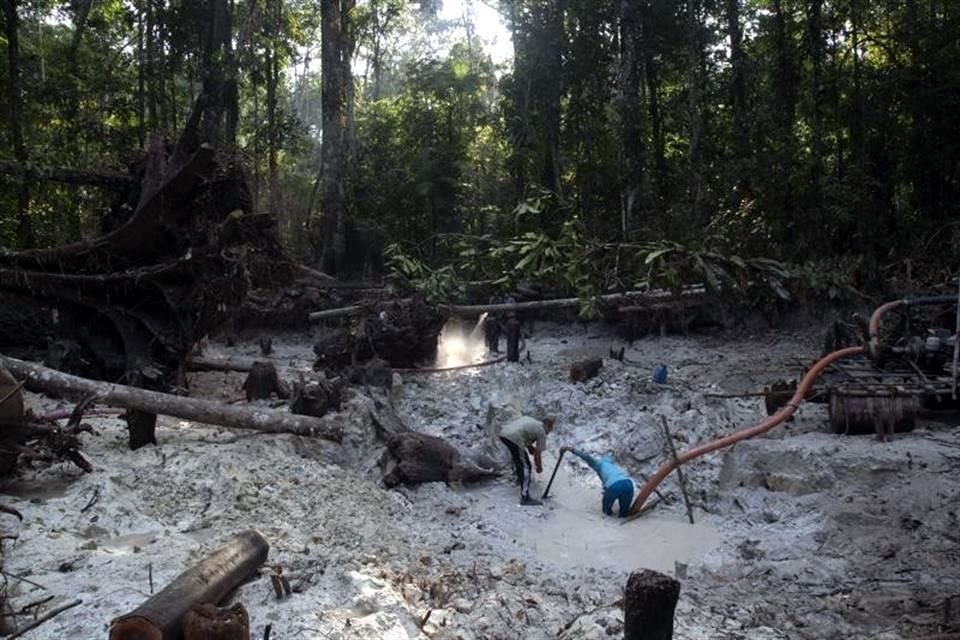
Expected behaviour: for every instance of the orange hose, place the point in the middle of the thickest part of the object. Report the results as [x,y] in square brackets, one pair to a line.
[743,434]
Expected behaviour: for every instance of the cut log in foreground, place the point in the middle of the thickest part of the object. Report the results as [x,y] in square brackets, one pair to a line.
[206,411]
[163,616]
[648,606]
[413,458]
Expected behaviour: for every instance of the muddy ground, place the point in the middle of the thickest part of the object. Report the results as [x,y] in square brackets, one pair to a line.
[799,534]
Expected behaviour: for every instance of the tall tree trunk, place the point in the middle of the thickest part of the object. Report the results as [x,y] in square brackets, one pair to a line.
[25,234]
[785,113]
[695,108]
[377,65]
[552,111]
[275,9]
[152,74]
[738,96]
[786,81]
[79,25]
[231,91]
[333,156]
[141,78]
[520,97]
[652,80]
[857,137]
[216,74]
[630,113]
[818,93]
[546,90]
[346,77]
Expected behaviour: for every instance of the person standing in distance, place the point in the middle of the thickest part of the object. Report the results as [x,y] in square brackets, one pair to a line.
[521,435]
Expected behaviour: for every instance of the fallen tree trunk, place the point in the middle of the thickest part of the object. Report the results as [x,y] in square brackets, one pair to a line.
[162,617]
[413,458]
[64,175]
[657,295]
[640,297]
[118,395]
[352,310]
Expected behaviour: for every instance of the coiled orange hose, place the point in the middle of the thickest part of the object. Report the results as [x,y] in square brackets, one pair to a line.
[762,427]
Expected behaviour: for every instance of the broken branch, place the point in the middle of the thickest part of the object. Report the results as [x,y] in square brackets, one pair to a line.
[47,616]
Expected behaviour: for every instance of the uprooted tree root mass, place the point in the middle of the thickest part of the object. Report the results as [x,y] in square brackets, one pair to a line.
[133,302]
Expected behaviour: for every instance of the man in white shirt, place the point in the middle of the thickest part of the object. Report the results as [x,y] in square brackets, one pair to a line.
[521,435]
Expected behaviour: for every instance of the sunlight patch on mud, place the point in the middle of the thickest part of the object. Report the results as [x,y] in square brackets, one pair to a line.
[460,344]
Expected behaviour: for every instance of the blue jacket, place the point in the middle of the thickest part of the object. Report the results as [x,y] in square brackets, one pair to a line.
[605,467]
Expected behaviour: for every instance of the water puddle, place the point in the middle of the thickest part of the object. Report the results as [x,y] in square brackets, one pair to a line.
[570,530]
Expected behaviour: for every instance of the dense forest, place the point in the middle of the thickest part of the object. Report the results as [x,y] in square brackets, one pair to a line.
[742,142]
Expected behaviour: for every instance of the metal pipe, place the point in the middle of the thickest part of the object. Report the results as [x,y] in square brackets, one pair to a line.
[762,427]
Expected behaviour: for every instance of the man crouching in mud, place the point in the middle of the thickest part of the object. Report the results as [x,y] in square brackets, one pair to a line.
[617,485]
[521,435]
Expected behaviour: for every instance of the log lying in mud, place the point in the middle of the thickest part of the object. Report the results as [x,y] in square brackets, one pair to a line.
[638,298]
[585,369]
[163,616]
[413,458]
[118,395]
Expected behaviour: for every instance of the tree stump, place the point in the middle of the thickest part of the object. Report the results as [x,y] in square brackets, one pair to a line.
[142,427]
[585,369]
[317,396]
[207,622]
[648,606]
[266,346]
[513,339]
[11,412]
[263,381]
